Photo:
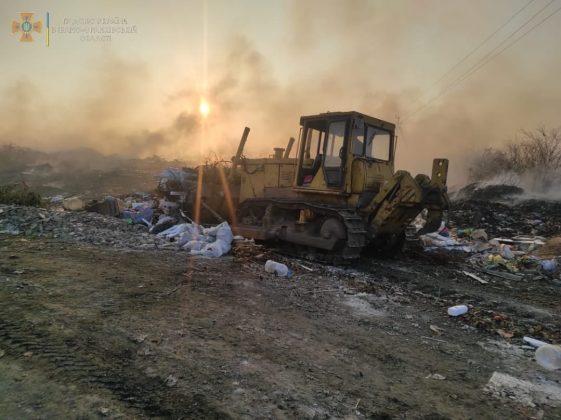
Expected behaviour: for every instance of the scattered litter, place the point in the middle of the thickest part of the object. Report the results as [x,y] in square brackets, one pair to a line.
[533,342]
[513,254]
[10,230]
[104,411]
[506,252]
[479,235]
[457,310]
[304,267]
[217,241]
[139,215]
[73,204]
[548,356]
[473,276]
[164,222]
[140,338]
[57,200]
[170,381]
[183,232]
[436,329]
[433,339]
[436,376]
[503,275]
[435,240]
[110,206]
[549,265]
[278,269]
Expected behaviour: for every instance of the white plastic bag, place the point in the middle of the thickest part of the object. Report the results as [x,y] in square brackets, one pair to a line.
[221,237]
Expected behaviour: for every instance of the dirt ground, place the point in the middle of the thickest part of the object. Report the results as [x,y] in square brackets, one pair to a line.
[87,332]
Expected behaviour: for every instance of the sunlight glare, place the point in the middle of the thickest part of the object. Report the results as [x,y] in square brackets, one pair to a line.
[204,108]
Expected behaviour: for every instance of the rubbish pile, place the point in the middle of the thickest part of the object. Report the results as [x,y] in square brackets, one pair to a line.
[123,233]
[137,221]
[82,227]
[508,258]
[506,241]
[531,217]
[504,210]
[210,242]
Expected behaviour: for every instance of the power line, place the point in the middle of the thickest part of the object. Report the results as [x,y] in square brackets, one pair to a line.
[474,50]
[489,57]
[484,60]
[513,42]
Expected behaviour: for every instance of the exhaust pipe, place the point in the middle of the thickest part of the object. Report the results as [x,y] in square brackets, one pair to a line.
[289,148]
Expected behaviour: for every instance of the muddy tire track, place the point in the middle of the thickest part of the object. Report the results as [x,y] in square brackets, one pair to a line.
[69,359]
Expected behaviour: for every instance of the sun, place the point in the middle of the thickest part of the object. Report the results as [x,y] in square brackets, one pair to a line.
[204,108]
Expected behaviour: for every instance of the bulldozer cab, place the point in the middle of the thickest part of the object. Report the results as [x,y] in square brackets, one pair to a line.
[344,152]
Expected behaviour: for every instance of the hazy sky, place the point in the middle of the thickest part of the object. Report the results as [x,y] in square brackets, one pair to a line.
[265,63]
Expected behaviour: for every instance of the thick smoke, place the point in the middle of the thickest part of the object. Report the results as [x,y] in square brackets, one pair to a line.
[354,55]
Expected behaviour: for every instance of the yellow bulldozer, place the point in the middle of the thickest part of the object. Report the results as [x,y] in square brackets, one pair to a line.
[339,196]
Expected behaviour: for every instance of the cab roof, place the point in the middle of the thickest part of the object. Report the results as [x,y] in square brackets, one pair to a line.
[330,116]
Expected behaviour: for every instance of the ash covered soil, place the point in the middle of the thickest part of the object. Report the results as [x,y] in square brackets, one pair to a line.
[88,331]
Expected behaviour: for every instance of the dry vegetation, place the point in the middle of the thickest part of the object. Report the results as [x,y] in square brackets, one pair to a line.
[14,194]
[536,154]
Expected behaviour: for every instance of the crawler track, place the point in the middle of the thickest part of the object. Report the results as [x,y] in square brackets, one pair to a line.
[356,235]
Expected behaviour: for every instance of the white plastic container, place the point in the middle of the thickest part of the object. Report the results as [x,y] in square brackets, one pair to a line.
[506,252]
[457,310]
[549,265]
[277,269]
[549,357]
[533,342]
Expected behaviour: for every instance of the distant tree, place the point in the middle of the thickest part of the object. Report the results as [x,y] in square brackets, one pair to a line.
[539,149]
[488,164]
[536,153]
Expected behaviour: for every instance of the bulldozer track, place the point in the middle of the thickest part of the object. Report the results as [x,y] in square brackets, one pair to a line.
[354,227]
[73,360]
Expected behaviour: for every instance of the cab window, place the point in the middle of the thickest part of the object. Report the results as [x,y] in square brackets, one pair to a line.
[357,137]
[313,146]
[378,144]
[334,144]
[312,151]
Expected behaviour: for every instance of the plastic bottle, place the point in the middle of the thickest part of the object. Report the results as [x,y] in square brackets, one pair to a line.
[549,356]
[457,310]
[533,342]
[506,252]
[549,265]
[277,269]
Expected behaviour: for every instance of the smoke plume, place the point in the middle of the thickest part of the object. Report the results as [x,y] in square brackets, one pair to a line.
[338,56]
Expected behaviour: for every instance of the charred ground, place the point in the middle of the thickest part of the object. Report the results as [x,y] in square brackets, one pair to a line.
[88,332]
[98,318]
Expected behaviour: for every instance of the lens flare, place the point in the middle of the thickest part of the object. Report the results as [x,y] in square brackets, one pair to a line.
[204,108]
